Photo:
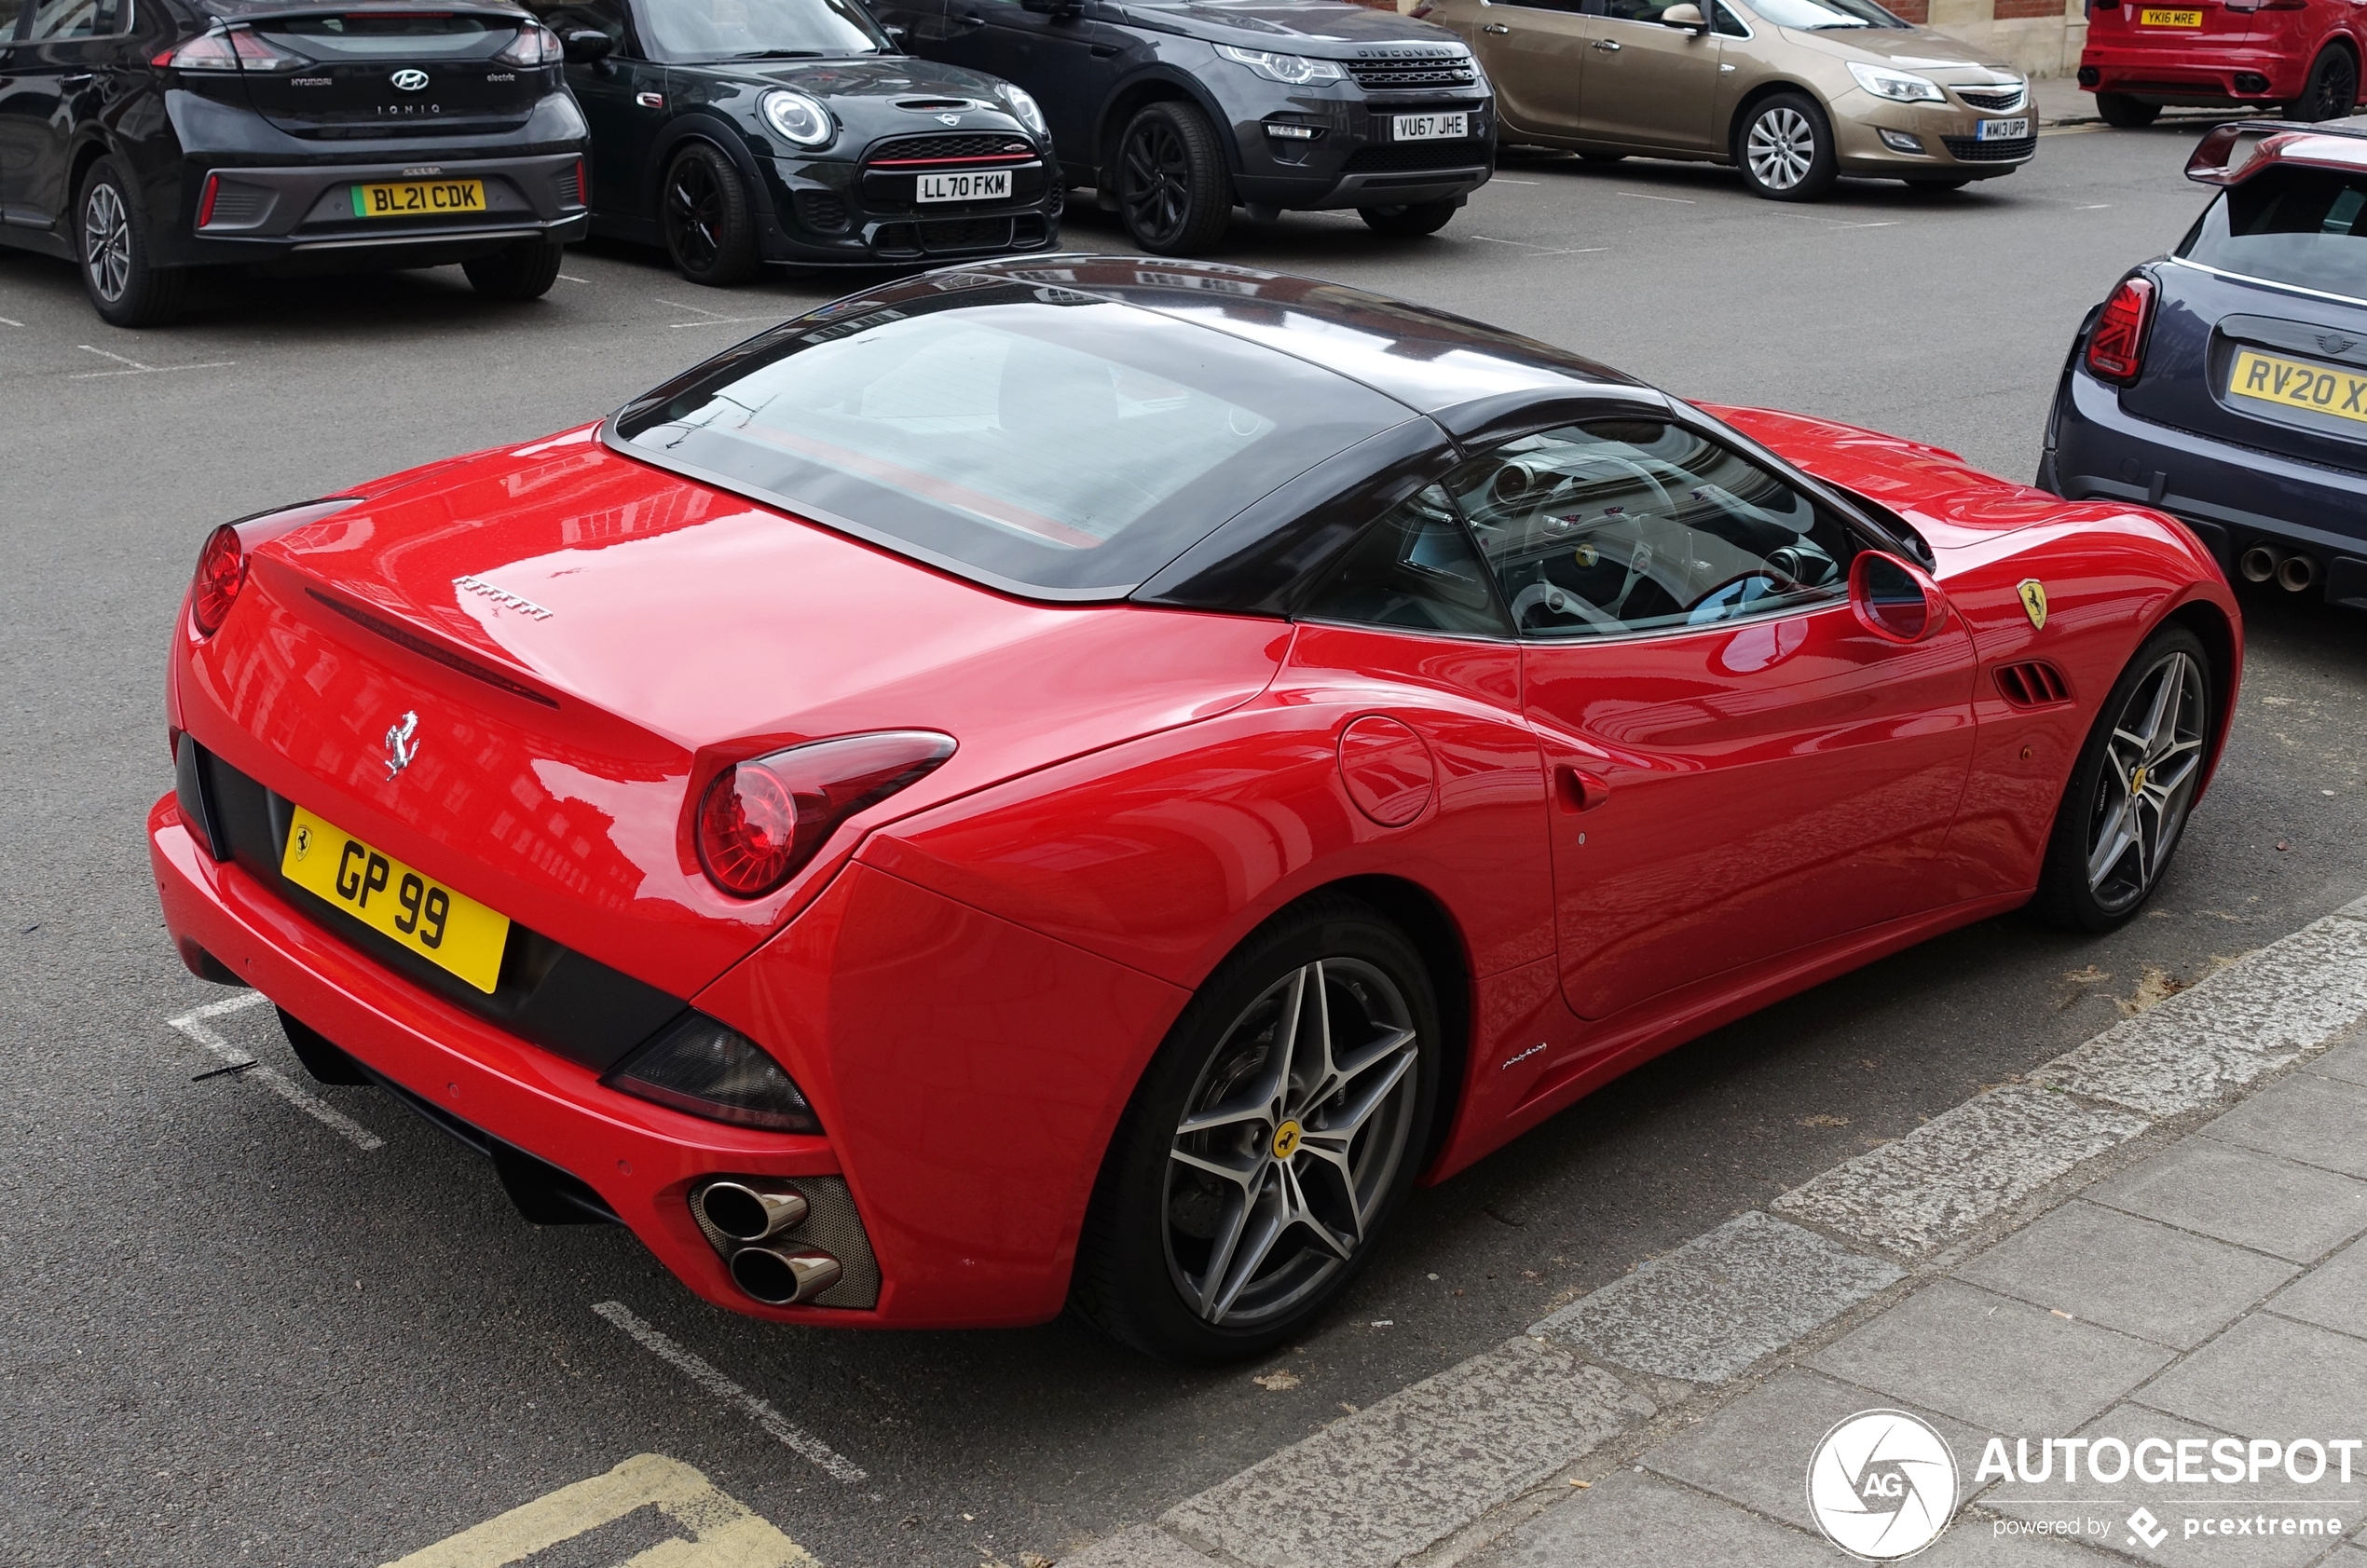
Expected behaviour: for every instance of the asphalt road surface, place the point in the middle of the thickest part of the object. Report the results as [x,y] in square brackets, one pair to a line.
[231,1334]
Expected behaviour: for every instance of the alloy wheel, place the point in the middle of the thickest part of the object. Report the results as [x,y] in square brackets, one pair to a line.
[106,241]
[2337,87]
[694,213]
[1290,1142]
[1156,184]
[2152,761]
[1781,147]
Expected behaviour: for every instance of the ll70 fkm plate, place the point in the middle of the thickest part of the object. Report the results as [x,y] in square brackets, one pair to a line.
[2292,384]
[448,929]
[2169,19]
[1429,127]
[989,184]
[418,198]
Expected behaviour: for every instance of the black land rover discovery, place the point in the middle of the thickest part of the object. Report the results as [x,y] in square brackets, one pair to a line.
[1176,111]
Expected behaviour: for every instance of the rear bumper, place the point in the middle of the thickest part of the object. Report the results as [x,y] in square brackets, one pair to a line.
[2231,497]
[640,1159]
[266,213]
[2200,75]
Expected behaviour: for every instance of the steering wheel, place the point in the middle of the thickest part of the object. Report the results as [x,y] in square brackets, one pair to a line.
[1559,601]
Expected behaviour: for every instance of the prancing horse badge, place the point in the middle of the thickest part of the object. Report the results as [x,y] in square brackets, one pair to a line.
[2033,595]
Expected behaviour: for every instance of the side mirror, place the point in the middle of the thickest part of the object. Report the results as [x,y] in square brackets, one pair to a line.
[1894,599]
[586,46]
[896,35]
[1688,17]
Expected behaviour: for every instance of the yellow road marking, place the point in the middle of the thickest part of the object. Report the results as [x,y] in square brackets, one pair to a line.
[721,1531]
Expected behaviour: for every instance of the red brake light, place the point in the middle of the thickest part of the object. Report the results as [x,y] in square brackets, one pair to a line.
[761,819]
[222,571]
[232,49]
[2117,349]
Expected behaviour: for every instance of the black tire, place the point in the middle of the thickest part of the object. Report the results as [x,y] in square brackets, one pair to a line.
[2331,88]
[126,286]
[323,1057]
[1156,1219]
[2119,109]
[1412,220]
[525,270]
[1174,194]
[704,216]
[1785,148]
[2114,775]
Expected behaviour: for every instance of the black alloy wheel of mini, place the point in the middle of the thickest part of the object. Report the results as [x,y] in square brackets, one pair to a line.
[1269,1143]
[703,213]
[126,288]
[2126,806]
[2128,113]
[1785,148]
[525,270]
[1174,192]
[1412,219]
[2332,90]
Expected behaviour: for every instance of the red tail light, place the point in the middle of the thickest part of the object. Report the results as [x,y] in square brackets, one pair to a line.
[232,49]
[2117,349]
[761,819]
[222,571]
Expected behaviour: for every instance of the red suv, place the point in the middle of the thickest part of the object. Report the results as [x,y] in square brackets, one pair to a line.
[2300,55]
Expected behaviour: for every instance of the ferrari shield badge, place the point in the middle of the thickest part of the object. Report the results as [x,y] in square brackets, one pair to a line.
[2033,595]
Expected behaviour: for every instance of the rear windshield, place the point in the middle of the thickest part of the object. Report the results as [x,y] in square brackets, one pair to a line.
[1032,438]
[2289,225]
[394,35]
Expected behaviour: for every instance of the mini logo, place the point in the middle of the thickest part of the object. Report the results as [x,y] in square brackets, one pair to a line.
[949,119]
[409,79]
[302,842]
[400,747]
[1286,1140]
[2144,1528]
[2033,595]
[1882,1485]
[2335,342]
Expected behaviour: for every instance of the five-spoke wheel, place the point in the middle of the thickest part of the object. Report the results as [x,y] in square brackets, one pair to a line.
[1270,1141]
[2131,787]
[703,213]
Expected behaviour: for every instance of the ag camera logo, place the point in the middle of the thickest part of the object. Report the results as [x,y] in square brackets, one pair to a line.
[1881,1485]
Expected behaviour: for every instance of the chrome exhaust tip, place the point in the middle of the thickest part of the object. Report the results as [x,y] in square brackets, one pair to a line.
[784,1276]
[2260,563]
[752,1212]
[2297,573]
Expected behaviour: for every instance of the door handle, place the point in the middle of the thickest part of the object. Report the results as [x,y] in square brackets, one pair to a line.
[649,99]
[1579,790]
[1103,51]
[1608,46]
[971,19]
[1496,27]
[76,79]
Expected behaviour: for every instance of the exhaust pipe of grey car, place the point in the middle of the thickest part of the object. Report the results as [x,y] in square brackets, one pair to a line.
[2297,573]
[2260,563]
[785,1276]
[751,1210]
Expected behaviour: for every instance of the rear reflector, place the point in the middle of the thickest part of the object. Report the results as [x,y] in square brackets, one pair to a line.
[708,1069]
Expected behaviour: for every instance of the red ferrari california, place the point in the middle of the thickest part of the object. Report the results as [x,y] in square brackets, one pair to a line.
[1080,782]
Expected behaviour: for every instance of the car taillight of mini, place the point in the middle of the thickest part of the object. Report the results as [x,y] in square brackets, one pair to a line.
[2117,349]
[222,571]
[761,819]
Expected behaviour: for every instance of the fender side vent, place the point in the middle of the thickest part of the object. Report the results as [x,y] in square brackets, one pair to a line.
[2034,684]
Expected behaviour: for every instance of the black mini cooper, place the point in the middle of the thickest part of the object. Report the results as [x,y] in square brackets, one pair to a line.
[736,133]
[144,137]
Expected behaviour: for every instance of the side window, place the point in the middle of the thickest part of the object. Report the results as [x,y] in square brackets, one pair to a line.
[57,20]
[1726,23]
[1571,6]
[1635,10]
[1638,524]
[564,17]
[1415,569]
[9,12]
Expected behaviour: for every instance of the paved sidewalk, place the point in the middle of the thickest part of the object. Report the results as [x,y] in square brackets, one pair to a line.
[2151,1248]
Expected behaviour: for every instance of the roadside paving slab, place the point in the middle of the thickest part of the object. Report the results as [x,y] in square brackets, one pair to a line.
[2332,1296]
[2319,1122]
[2268,1376]
[2288,1210]
[2130,1275]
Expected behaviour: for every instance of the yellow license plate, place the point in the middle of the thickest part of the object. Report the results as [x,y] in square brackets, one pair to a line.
[2292,384]
[446,928]
[2169,19]
[418,198]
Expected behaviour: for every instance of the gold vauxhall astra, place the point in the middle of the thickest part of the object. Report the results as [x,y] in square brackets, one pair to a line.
[1795,93]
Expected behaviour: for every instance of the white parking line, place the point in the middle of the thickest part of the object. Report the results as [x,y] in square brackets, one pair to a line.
[193,1024]
[9,322]
[699,1370]
[1542,249]
[136,368]
[1646,196]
